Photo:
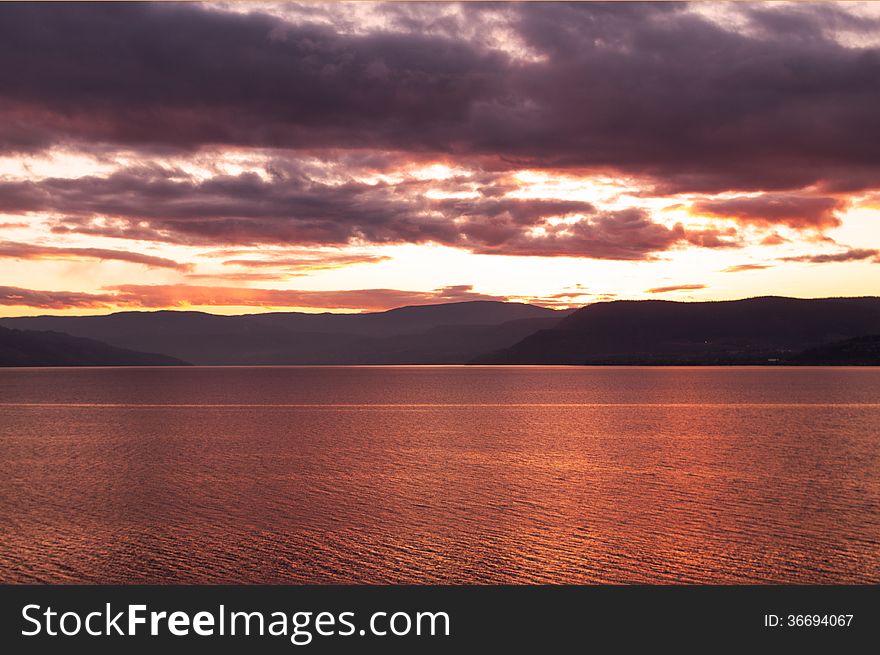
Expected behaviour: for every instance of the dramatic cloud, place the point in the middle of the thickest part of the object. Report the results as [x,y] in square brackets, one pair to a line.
[676,287]
[180,295]
[851,255]
[12,250]
[627,234]
[293,209]
[306,140]
[245,208]
[793,210]
[653,90]
[16,296]
[182,76]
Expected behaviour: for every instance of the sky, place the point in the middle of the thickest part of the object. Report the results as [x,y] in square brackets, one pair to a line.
[247,157]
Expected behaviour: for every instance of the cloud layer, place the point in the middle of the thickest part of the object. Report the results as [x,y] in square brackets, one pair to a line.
[182,296]
[13,250]
[296,210]
[654,90]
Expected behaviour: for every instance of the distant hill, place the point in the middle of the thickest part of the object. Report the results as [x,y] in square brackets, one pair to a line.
[29,348]
[752,331]
[860,351]
[451,333]
[768,330]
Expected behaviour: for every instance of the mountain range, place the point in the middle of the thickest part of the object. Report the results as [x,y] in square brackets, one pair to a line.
[750,331]
[44,348]
[430,334]
[767,330]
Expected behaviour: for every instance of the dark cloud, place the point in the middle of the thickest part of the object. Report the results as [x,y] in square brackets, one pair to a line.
[650,90]
[13,250]
[809,22]
[851,255]
[15,296]
[293,209]
[180,76]
[662,92]
[242,209]
[625,234]
[797,211]
[676,287]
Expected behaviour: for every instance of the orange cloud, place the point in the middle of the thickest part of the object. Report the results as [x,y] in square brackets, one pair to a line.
[774,239]
[318,262]
[676,287]
[182,295]
[17,297]
[14,250]
[238,277]
[797,211]
[177,295]
[739,268]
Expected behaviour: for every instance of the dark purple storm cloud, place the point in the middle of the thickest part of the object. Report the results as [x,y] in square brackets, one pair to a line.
[649,90]
[146,203]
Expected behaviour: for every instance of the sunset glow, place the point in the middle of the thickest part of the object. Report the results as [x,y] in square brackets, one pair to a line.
[359,157]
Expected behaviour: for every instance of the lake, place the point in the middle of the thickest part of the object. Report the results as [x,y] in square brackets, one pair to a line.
[440,475]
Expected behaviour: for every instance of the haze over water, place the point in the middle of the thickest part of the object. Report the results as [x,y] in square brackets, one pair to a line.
[440,474]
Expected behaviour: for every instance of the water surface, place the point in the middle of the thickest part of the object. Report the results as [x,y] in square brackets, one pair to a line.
[440,475]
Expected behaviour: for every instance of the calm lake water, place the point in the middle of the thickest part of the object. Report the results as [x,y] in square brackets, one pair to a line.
[440,474]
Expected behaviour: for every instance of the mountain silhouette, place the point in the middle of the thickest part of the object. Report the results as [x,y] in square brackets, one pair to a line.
[751,331]
[31,348]
[859,351]
[451,333]
[768,330]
